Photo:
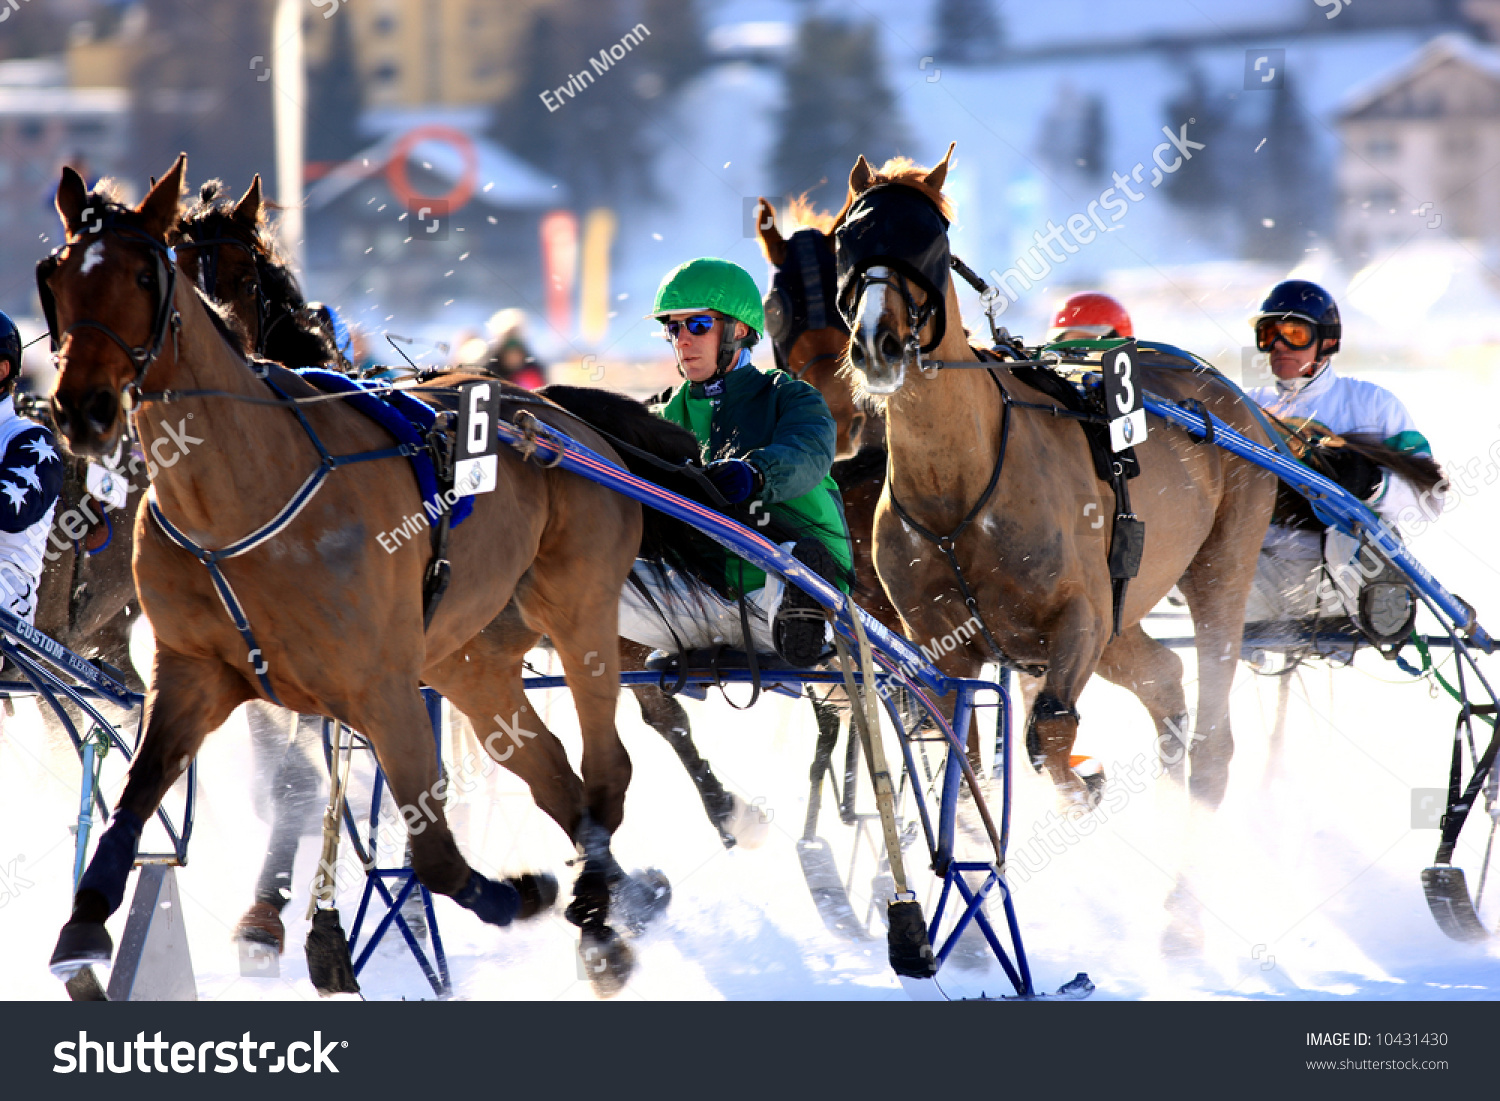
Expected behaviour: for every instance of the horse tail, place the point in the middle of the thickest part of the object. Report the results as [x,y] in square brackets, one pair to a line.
[665,540]
[1421,470]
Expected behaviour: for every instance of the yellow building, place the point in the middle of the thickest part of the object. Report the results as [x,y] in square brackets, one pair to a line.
[417,52]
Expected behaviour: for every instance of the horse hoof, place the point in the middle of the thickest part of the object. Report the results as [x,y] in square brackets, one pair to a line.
[538,893]
[1091,772]
[637,899]
[84,986]
[80,944]
[606,959]
[747,824]
[261,924]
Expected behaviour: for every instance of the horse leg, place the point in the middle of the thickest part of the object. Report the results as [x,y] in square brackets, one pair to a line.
[666,715]
[1053,725]
[294,801]
[1153,673]
[1216,586]
[394,718]
[189,697]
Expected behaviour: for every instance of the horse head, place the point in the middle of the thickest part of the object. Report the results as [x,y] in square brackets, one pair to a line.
[807,333]
[894,291]
[226,248]
[109,294]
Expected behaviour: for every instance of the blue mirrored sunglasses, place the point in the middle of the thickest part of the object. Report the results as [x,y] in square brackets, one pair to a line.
[698,324]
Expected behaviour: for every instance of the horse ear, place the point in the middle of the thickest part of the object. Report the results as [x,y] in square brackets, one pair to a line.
[860,175]
[159,207]
[935,178]
[72,195]
[247,210]
[771,241]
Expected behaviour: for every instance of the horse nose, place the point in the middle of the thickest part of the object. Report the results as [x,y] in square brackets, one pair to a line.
[888,351]
[99,411]
[88,419]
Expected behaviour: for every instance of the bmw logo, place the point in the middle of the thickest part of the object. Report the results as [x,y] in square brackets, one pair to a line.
[1129,430]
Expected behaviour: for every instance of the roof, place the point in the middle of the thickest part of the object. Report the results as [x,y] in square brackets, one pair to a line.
[1442,49]
[505,182]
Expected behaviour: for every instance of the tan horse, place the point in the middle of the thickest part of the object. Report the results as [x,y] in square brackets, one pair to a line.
[1035,565]
[338,621]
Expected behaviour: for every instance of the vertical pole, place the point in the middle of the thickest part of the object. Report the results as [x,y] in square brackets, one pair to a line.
[85,813]
[288,100]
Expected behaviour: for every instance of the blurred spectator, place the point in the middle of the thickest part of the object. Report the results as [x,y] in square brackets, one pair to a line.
[507,355]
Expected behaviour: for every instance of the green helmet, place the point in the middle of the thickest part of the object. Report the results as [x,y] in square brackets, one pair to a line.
[711,284]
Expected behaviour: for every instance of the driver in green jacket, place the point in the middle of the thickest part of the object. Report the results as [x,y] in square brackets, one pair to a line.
[768,440]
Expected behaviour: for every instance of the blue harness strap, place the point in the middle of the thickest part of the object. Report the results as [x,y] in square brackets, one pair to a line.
[403,425]
[404,417]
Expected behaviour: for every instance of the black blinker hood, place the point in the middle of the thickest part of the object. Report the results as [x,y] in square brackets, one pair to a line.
[802,293]
[896,226]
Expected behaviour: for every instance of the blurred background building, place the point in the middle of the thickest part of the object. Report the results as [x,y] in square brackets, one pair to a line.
[464,156]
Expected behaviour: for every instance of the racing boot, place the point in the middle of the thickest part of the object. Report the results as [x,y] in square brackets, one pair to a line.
[799,627]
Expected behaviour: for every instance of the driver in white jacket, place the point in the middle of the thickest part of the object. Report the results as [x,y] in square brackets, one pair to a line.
[1306,570]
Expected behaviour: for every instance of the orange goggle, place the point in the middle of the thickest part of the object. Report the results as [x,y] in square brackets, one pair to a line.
[1295,332]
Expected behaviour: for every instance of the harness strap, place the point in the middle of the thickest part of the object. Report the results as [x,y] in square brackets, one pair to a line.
[226,592]
[945,543]
[269,530]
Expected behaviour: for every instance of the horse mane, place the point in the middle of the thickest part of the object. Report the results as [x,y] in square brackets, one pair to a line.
[302,343]
[107,200]
[805,215]
[904,171]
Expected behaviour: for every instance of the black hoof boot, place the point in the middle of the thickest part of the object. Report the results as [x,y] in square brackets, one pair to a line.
[590,905]
[80,944]
[538,893]
[606,959]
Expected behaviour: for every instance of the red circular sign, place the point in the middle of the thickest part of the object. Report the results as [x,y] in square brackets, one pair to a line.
[463,190]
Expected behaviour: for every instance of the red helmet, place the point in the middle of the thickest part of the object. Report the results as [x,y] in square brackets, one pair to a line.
[1097,314]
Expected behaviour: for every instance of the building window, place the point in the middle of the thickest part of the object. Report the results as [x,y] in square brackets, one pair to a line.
[386,72]
[1382,148]
[385,24]
[1383,198]
[30,129]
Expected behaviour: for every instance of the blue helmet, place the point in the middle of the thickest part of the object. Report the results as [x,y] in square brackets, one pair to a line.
[10,351]
[1299,298]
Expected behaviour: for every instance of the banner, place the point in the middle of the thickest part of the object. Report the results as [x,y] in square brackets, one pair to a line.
[560,267]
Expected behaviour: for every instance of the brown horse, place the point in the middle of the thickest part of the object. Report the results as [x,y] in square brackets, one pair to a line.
[810,340]
[333,622]
[1037,570]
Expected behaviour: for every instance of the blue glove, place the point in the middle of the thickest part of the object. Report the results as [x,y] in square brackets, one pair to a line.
[735,479]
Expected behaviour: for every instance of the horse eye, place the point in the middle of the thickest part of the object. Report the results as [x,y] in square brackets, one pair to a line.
[146,279]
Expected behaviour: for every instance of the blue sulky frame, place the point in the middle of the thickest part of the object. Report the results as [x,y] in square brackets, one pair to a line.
[54,673]
[367,850]
[902,665]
